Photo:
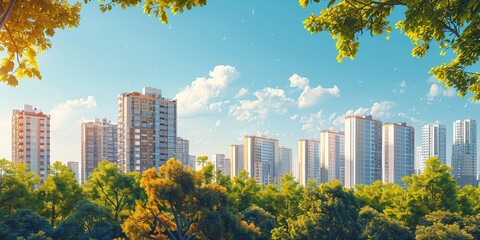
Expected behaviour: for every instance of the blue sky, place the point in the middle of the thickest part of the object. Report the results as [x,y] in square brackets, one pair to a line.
[236,68]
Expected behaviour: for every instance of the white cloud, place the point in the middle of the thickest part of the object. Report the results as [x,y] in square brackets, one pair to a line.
[217,123]
[436,90]
[298,82]
[267,100]
[65,124]
[198,96]
[311,96]
[377,110]
[242,92]
[64,113]
[403,84]
[294,117]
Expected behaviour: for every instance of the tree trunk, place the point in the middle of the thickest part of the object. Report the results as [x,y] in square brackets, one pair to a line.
[6,14]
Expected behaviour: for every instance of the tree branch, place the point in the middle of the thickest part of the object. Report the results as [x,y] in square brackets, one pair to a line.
[5,16]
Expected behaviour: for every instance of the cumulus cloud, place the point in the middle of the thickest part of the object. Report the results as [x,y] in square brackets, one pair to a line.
[437,90]
[297,81]
[377,110]
[65,126]
[200,94]
[268,100]
[311,96]
[242,92]
[63,114]
[314,123]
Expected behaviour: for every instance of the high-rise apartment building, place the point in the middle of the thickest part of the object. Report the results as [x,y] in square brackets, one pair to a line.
[464,152]
[284,164]
[31,140]
[227,167]
[183,151]
[333,155]
[99,142]
[147,129]
[418,159]
[398,152]
[363,150]
[310,165]
[260,155]
[75,169]
[192,161]
[218,161]
[236,160]
[434,144]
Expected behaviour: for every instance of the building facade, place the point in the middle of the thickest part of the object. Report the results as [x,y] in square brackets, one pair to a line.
[192,161]
[219,163]
[260,155]
[464,152]
[31,140]
[310,165]
[236,160]
[183,151]
[333,155]
[363,150]
[284,164]
[147,129]
[398,152]
[75,169]
[99,142]
[434,144]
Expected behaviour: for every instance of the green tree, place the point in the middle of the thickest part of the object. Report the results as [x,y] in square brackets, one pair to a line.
[376,226]
[16,187]
[262,219]
[433,190]
[245,191]
[59,194]
[89,221]
[451,24]
[179,206]
[442,225]
[327,212]
[378,196]
[110,187]
[202,160]
[24,223]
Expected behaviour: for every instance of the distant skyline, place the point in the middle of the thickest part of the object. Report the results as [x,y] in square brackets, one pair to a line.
[236,69]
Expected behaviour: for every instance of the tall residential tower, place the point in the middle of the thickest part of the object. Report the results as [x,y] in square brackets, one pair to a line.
[363,150]
[236,160]
[434,144]
[398,152]
[333,155]
[464,152]
[147,129]
[260,155]
[31,140]
[309,161]
[99,142]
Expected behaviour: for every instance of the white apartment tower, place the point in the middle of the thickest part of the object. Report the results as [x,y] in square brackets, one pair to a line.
[464,152]
[284,165]
[31,140]
[183,151]
[309,161]
[75,169]
[99,142]
[260,155]
[219,163]
[333,155]
[236,160]
[147,129]
[192,161]
[398,152]
[433,144]
[363,150]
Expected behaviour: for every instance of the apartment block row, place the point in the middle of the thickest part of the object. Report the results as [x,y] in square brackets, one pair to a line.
[146,136]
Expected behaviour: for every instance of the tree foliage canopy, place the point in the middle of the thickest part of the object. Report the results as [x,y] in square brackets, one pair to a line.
[453,25]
